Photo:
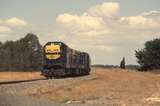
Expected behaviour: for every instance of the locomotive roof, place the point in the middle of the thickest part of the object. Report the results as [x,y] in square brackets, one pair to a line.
[56,42]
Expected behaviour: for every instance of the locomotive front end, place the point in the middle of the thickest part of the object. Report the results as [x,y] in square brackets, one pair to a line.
[54,58]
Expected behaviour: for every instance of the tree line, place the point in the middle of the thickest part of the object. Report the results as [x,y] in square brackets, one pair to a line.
[24,54]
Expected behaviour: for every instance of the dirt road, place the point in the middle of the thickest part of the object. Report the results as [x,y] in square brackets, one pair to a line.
[103,87]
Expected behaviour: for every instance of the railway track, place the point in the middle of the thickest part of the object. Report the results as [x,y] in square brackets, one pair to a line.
[20,81]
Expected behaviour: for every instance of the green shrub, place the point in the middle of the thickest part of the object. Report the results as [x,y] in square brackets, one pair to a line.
[149,56]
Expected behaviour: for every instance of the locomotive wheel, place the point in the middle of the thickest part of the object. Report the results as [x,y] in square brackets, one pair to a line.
[58,73]
[47,77]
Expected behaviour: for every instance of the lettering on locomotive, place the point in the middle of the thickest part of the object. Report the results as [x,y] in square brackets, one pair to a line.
[52,51]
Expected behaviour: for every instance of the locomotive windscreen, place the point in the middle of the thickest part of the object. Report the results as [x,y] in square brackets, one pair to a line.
[52,51]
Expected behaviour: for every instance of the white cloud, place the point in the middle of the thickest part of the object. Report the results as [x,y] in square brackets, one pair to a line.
[140,22]
[11,24]
[4,29]
[84,22]
[14,21]
[90,23]
[104,9]
[13,28]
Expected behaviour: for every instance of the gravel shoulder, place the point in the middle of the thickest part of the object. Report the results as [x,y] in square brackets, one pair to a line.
[22,100]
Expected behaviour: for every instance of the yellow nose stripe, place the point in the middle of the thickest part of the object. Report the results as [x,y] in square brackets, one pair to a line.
[53,56]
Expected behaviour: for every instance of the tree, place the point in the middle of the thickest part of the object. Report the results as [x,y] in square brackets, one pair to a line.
[21,55]
[149,56]
[122,64]
[31,52]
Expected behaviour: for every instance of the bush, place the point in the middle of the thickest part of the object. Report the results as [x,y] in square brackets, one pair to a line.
[149,56]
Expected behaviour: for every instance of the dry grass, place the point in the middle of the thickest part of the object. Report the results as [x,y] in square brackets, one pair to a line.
[10,76]
[127,86]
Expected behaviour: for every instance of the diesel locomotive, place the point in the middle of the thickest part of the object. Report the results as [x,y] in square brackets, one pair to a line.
[59,60]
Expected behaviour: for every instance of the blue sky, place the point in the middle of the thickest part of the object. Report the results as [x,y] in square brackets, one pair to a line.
[107,29]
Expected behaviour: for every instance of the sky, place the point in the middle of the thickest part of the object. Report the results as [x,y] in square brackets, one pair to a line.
[107,29]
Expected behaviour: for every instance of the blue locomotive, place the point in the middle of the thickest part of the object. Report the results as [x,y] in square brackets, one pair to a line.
[61,61]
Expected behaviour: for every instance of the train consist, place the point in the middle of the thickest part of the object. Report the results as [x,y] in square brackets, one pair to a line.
[61,61]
